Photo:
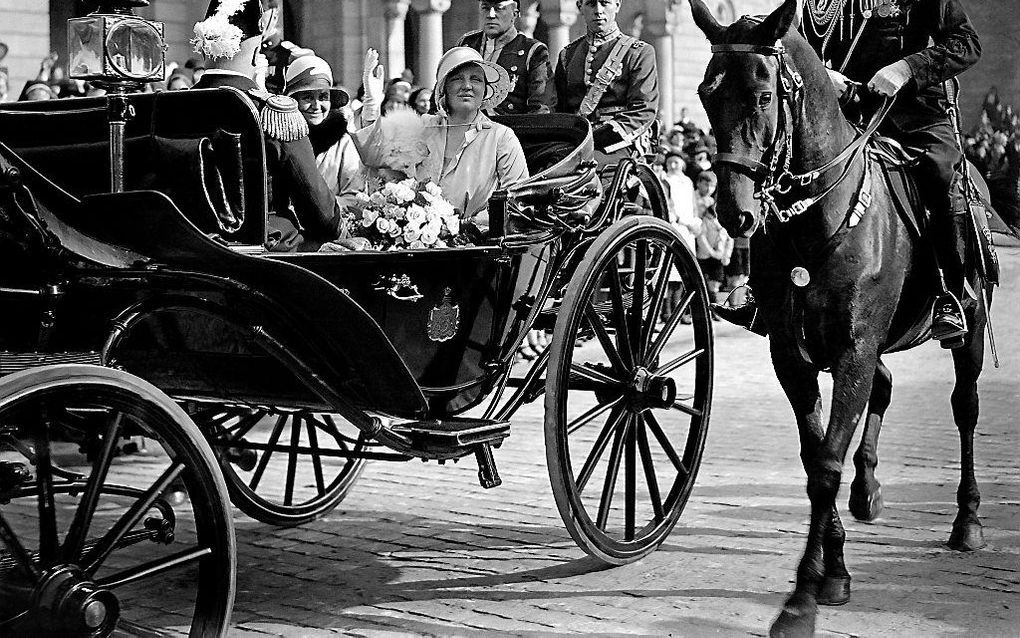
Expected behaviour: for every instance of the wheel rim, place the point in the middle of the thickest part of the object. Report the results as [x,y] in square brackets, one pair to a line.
[93,541]
[311,457]
[627,411]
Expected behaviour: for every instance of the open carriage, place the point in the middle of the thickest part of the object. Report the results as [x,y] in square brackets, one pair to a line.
[154,316]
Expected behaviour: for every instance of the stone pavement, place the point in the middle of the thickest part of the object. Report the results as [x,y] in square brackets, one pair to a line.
[422,549]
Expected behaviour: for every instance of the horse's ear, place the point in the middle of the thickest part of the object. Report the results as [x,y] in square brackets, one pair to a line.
[779,21]
[706,21]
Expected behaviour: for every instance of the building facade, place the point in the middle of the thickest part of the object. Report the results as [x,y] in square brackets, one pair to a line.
[414,33]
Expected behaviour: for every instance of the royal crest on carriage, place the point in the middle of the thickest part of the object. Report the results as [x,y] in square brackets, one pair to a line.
[444,318]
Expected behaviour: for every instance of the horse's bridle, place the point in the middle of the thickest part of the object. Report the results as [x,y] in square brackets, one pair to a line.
[769,179]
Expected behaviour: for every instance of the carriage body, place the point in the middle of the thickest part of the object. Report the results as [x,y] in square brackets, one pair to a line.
[328,360]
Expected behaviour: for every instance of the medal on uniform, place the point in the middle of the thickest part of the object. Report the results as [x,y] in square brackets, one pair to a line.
[444,318]
[888,9]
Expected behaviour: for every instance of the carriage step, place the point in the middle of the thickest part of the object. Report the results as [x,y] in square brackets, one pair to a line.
[455,432]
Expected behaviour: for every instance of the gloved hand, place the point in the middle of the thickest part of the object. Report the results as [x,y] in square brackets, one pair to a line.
[840,82]
[890,79]
[372,78]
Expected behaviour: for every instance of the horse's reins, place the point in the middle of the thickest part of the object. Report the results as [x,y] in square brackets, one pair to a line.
[769,179]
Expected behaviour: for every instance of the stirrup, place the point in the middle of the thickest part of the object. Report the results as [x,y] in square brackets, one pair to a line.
[947,320]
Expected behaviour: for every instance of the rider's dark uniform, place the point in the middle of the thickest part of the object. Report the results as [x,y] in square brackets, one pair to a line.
[938,42]
[626,111]
[526,60]
[302,211]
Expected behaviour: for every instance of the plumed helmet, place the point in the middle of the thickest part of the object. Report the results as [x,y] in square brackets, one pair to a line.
[227,23]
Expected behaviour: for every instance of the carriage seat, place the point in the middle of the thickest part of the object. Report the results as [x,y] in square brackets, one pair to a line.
[203,148]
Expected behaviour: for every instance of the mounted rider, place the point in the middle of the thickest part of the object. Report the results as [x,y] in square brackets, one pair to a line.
[611,79]
[884,45]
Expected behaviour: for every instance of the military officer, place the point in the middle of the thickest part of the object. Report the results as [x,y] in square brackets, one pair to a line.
[907,49]
[525,59]
[302,212]
[611,79]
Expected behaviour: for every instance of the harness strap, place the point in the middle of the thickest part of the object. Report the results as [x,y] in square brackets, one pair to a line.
[756,168]
[605,76]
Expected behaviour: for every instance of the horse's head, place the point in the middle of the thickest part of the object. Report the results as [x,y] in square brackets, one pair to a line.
[743,94]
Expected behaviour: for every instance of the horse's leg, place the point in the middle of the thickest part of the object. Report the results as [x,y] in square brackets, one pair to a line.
[865,490]
[852,379]
[968,362]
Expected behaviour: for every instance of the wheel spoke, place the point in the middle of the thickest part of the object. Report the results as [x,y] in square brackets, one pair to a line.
[593,375]
[658,293]
[682,360]
[18,551]
[295,441]
[629,481]
[243,427]
[607,342]
[646,461]
[591,414]
[612,471]
[313,442]
[600,446]
[78,531]
[274,438]
[94,559]
[667,447]
[667,329]
[153,567]
[48,543]
[686,409]
[637,307]
[619,314]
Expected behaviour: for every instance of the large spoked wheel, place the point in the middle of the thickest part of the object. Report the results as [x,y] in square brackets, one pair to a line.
[91,541]
[628,390]
[283,467]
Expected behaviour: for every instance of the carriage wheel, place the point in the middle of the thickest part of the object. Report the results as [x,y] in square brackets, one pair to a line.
[283,467]
[93,542]
[627,410]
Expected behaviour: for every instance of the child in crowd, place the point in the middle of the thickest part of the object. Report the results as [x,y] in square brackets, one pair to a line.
[714,245]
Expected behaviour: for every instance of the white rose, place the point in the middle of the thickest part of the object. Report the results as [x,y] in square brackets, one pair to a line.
[433,189]
[382,225]
[415,214]
[368,217]
[428,237]
[395,230]
[416,244]
[453,224]
[434,226]
[443,208]
[411,234]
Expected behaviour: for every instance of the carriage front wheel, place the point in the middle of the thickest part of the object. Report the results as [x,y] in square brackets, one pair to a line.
[629,390]
[96,542]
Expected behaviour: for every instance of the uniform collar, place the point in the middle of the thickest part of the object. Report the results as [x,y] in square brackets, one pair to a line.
[598,39]
[502,39]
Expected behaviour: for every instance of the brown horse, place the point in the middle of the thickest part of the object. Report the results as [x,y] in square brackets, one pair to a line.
[841,277]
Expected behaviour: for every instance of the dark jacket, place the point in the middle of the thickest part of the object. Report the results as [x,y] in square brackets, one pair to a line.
[631,102]
[302,211]
[904,35]
[527,61]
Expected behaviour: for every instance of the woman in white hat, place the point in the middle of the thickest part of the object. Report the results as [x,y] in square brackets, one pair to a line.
[468,155]
[309,80]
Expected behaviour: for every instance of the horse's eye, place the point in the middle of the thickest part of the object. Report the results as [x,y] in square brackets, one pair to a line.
[764,100]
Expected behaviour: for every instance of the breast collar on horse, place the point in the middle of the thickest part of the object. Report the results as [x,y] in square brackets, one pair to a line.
[770,179]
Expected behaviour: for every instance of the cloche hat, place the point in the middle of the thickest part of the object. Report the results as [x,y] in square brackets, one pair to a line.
[497,80]
[312,73]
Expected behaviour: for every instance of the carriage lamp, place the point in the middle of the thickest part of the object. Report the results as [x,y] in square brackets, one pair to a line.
[120,52]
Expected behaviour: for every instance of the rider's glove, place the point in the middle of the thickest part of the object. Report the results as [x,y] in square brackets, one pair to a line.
[889,80]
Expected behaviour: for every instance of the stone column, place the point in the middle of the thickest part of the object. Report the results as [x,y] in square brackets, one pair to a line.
[529,17]
[559,16]
[393,57]
[660,22]
[430,21]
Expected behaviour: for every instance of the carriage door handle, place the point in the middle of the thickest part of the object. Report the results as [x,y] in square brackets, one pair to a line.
[399,287]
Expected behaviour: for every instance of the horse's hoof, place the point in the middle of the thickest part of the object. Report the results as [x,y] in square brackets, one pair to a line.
[797,620]
[966,537]
[835,591]
[865,504]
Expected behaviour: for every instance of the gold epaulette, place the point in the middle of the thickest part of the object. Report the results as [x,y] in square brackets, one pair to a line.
[280,117]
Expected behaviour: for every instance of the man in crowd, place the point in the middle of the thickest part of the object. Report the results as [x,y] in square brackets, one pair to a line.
[907,50]
[609,78]
[525,59]
[303,212]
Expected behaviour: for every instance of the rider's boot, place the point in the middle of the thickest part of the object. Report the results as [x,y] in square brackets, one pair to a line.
[743,314]
[948,323]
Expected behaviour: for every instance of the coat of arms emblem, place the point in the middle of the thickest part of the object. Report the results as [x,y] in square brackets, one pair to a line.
[444,318]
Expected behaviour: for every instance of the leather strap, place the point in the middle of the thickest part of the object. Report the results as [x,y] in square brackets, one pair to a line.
[609,72]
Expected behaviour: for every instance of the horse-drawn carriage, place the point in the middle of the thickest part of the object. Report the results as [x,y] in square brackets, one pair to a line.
[154,318]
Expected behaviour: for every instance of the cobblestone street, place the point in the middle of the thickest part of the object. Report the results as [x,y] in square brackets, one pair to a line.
[422,549]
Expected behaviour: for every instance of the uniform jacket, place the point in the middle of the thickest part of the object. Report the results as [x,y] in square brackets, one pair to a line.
[904,35]
[305,210]
[527,62]
[635,92]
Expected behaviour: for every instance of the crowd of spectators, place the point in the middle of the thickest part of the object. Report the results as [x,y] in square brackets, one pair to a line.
[987,146]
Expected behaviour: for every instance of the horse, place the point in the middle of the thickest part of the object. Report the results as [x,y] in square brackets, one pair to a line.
[842,277]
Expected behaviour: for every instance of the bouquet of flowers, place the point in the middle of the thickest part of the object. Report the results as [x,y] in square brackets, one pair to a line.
[406,215]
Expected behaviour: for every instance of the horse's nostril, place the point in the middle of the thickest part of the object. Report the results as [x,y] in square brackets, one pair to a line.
[745,222]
